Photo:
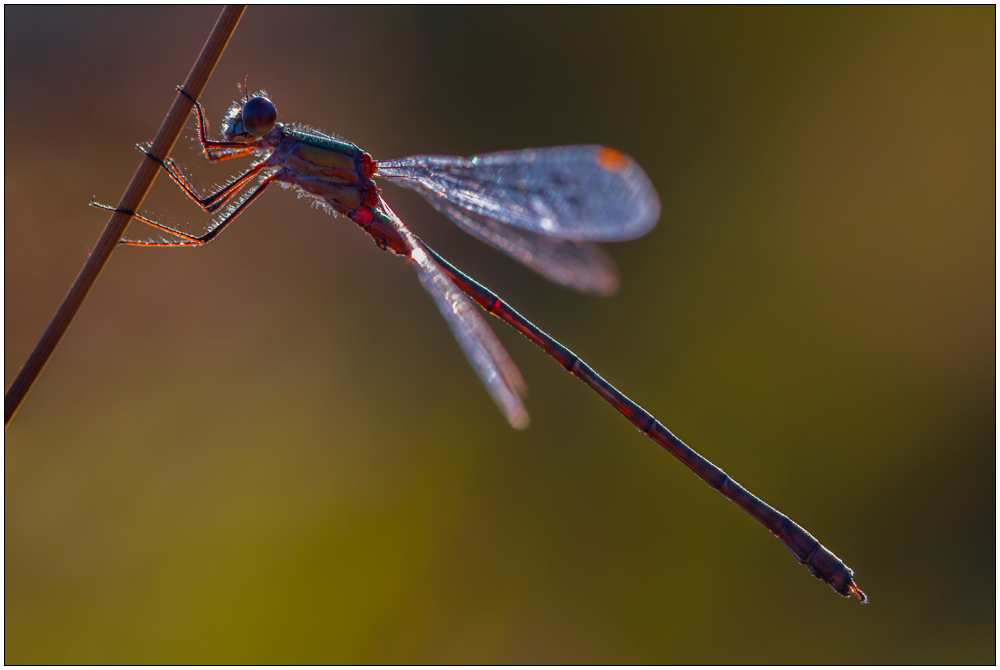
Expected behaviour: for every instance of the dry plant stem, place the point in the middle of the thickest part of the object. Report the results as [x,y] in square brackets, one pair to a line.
[136,192]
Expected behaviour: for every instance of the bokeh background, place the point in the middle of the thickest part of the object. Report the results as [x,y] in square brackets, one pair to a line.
[272,450]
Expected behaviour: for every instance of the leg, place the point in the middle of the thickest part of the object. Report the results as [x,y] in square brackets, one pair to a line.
[213,201]
[215,150]
[190,240]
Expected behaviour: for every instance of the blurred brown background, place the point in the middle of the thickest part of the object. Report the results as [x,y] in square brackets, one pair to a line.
[272,450]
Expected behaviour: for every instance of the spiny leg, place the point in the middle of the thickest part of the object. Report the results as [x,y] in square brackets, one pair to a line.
[189,240]
[213,201]
[215,150]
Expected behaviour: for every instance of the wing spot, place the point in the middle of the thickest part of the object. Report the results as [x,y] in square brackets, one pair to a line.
[611,160]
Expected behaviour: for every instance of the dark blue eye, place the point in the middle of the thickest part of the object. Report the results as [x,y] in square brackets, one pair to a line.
[259,115]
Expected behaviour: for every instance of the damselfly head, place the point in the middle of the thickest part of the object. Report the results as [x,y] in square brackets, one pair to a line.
[254,118]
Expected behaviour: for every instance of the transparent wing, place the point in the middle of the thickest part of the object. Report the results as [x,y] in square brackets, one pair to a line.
[583,266]
[487,356]
[576,193]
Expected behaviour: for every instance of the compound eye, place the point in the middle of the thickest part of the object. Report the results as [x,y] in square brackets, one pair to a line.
[259,115]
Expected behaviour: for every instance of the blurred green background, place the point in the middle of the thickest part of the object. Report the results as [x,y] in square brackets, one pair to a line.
[272,450]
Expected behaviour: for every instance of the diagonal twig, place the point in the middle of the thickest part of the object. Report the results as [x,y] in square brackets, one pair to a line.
[141,182]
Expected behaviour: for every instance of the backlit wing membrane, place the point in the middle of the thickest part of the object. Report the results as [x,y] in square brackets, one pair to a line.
[585,193]
[583,266]
[487,356]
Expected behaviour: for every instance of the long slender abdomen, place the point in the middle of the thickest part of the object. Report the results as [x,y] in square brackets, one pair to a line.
[821,562]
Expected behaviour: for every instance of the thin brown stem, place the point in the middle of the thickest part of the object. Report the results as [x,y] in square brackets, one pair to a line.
[136,192]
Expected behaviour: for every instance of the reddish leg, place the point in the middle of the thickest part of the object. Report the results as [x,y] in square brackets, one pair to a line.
[213,201]
[191,240]
[216,150]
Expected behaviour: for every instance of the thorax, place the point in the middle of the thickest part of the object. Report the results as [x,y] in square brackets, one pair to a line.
[334,170]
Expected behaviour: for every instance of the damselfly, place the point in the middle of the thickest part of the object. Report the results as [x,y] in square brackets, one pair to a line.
[547,208]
